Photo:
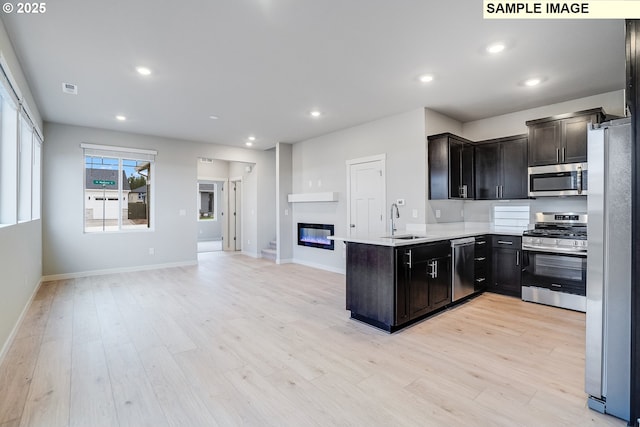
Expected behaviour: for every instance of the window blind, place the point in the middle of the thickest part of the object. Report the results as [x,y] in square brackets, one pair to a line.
[123,152]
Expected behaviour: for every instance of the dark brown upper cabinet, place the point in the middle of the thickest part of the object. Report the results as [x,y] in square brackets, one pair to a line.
[561,139]
[501,168]
[450,159]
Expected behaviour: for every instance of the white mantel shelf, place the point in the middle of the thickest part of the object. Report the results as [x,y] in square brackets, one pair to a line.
[330,196]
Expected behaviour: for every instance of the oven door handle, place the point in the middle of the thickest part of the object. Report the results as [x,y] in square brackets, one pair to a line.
[547,249]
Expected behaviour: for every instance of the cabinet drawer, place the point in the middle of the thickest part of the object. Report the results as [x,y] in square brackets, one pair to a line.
[506,241]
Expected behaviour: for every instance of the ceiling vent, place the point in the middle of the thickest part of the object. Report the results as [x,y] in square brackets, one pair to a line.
[205,160]
[70,88]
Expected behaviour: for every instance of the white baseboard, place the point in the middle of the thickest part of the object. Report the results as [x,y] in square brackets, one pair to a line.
[89,273]
[320,266]
[14,331]
[285,261]
[251,254]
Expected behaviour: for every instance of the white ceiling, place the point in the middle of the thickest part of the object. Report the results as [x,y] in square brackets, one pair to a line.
[262,65]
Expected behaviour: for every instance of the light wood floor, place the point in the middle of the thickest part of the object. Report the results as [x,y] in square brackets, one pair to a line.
[238,341]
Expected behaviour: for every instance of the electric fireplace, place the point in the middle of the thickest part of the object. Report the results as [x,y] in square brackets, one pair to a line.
[315,235]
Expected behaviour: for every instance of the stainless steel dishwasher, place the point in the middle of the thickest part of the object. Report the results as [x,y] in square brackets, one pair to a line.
[462,271]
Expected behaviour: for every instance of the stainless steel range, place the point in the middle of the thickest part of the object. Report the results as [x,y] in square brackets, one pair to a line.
[555,260]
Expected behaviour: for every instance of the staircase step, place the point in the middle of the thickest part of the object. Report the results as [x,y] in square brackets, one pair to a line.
[273,244]
[269,254]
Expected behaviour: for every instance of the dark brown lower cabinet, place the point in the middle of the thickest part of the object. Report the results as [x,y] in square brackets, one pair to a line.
[388,287]
[481,263]
[423,280]
[506,265]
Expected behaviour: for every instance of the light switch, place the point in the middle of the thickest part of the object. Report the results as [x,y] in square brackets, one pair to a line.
[438,213]
[182,212]
[414,213]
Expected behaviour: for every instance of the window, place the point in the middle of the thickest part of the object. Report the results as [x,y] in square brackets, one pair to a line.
[24,167]
[117,188]
[20,155]
[207,201]
[8,159]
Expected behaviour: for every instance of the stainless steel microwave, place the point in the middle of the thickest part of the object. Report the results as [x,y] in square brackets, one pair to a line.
[569,179]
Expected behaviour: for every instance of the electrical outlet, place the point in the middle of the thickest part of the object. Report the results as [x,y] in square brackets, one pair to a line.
[414,213]
[400,202]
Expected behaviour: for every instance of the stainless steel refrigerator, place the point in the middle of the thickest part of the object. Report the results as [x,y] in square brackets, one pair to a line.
[608,321]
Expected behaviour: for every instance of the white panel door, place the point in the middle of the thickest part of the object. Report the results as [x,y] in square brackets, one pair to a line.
[366,182]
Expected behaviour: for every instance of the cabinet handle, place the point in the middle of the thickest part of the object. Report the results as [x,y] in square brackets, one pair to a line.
[480,279]
[433,265]
[557,155]
[504,242]
[497,191]
[518,258]
[564,154]
[480,258]
[409,262]
[501,192]
[480,242]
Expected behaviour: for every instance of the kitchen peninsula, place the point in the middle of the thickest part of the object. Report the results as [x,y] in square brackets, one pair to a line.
[394,281]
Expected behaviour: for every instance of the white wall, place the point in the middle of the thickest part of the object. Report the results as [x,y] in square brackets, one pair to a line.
[284,216]
[20,244]
[319,165]
[67,251]
[266,200]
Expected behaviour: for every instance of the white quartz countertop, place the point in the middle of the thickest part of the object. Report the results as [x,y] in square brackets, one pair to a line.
[433,233]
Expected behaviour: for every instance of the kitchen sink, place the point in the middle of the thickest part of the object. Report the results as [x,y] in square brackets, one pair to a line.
[403,237]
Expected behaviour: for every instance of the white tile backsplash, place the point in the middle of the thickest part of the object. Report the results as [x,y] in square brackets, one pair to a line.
[514,217]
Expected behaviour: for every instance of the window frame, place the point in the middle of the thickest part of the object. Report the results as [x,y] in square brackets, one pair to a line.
[121,154]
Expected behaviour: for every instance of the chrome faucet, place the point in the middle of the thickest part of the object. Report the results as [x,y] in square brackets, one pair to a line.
[392,226]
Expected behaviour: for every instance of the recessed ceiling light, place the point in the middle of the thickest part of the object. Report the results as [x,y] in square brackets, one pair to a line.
[495,48]
[213,117]
[315,113]
[143,71]
[121,118]
[248,143]
[426,78]
[252,138]
[533,82]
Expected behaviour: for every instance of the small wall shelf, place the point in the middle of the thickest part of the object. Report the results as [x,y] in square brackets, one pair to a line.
[330,196]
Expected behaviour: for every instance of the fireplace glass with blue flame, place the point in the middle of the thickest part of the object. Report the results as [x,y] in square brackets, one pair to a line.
[315,235]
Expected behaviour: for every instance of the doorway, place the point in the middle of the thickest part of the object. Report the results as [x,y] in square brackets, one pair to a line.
[210,215]
[366,196]
[220,202]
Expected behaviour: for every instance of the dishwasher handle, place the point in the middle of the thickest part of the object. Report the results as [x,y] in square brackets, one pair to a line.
[463,242]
